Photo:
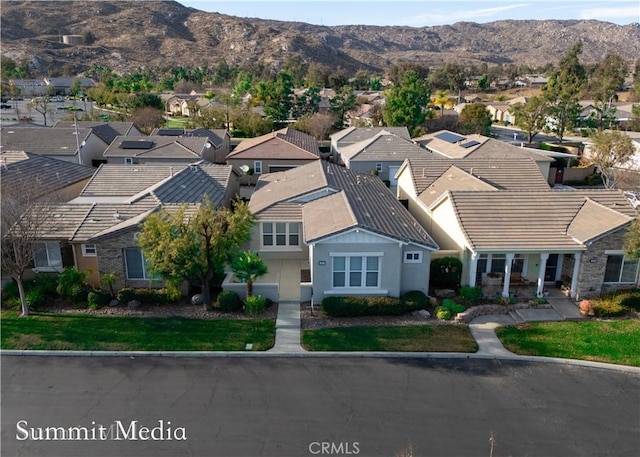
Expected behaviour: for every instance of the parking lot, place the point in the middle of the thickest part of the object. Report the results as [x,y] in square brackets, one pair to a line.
[13,111]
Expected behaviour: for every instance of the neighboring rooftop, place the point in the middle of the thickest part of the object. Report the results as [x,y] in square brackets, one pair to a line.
[383,146]
[43,140]
[286,143]
[157,147]
[356,134]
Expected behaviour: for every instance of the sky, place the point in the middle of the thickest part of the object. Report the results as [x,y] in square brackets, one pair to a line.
[420,13]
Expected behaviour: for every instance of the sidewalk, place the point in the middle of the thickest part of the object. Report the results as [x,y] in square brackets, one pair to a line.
[288,328]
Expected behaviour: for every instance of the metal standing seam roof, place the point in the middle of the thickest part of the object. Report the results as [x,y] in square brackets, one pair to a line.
[43,140]
[384,146]
[533,220]
[286,143]
[51,174]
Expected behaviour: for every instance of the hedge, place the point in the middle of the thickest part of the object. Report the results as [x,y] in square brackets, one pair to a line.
[145,296]
[354,306]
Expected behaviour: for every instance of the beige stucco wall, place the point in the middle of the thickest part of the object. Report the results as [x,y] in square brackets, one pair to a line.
[237,163]
[88,264]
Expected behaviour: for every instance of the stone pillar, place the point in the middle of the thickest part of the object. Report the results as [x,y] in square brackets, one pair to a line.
[574,277]
[473,268]
[507,275]
[544,256]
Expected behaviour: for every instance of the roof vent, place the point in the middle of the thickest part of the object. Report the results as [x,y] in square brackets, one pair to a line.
[117,216]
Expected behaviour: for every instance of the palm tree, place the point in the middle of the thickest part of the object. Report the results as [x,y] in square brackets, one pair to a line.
[247,267]
[442,99]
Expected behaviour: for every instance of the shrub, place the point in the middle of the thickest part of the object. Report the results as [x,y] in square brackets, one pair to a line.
[470,294]
[415,299]
[126,294]
[10,291]
[254,305]
[452,306]
[607,307]
[229,301]
[98,298]
[47,283]
[446,273]
[71,285]
[443,313]
[628,298]
[363,306]
[36,297]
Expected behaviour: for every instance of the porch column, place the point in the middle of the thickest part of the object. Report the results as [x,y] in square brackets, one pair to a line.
[574,277]
[507,275]
[473,268]
[544,256]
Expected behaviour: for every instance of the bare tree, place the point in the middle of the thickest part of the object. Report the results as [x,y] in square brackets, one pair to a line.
[41,105]
[26,214]
[317,125]
[612,153]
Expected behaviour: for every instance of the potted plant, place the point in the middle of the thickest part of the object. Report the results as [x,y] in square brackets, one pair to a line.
[586,308]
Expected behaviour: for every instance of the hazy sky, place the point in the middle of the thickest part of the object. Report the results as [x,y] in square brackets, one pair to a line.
[416,13]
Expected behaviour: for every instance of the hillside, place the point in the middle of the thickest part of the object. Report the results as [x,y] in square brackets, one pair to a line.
[165,33]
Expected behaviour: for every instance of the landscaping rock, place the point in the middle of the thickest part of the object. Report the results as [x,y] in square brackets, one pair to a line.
[197,299]
[433,301]
[134,304]
[445,293]
[113,303]
[422,313]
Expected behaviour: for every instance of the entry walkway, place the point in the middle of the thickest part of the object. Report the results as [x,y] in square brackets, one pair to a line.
[288,328]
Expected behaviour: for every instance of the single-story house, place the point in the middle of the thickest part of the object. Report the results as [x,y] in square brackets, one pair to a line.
[340,232]
[352,135]
[511,236]
[219,139]
[159,150]
[276,151]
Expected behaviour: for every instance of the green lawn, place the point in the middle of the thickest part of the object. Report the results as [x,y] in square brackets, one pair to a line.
[423,338]
[83,332]
[602,341]
[177,122]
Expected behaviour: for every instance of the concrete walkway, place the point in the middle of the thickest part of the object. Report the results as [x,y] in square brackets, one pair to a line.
[287,328]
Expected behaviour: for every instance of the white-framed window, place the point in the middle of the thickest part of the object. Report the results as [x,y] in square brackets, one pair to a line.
[379,167]
[135,264]
[128,160]
[620,269]
[281,234]
[89,250]
[356,272]
[47,255]
[413,257]
[257,167]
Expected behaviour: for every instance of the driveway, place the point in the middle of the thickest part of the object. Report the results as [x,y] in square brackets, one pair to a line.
[284,407]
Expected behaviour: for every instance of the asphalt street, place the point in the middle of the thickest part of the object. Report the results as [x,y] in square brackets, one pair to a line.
[280,407]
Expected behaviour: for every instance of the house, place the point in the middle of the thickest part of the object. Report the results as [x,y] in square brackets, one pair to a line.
[519,233]
[455,146]
[54,177]
[96,231]
[382,154]
[501,112]
[219,139]
[159,149]
[353,135]
[78,145]
[277,151]
[341,232]
[363,115]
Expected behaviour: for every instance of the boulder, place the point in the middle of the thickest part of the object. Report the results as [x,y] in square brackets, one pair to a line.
[197,299]
[422,314]
[113,303]
[134,304]
[445,293]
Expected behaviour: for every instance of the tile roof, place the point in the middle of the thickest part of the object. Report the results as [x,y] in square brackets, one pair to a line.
[160,147]
[537,220]
[192,183]
[286,143]
[52,174]
[452,179]
[125,180]
[42,140]
[215,136]
[383,146]
[104,130]
[356,134]
[351,200]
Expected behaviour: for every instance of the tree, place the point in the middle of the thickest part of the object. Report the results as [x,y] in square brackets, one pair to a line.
[441,99]
[317,125]
[147,119]
[178,247]
[406,105]
[247,267]
[476,118]
[632,240]
[41,105]
[610,151]
[531,116]
[341,104]
[26,214]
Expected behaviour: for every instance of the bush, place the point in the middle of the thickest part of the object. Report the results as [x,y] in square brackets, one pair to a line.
[229,301]
[628,298]
[607,307]
[126,294]
[10,291]
[470,294]
[362,306]
[446,273]
[415,299]
[254,305]
[98,298]
[36,297]
[71,285]
[443,313]
[146,295]
[47,283]
[452,306]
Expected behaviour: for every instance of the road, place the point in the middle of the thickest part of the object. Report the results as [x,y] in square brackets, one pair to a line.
[516,136]
[280,407]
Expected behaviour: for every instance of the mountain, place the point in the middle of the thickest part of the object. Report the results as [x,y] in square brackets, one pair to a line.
[130,34]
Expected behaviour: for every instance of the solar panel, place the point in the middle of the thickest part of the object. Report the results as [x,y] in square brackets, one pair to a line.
[170,132]
[469,144]
[449,137]
[136,144]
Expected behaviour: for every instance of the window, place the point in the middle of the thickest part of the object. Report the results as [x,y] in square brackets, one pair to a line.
[89,250]
[47,255]
[257,167]
[128,160]
[379,167]
[281,234]
[620,269]
[136,264]
[356,271]
[517,265]
[498,262]
[413,257]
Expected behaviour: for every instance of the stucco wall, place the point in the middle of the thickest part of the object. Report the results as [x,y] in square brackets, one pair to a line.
[88,264]
[365,167]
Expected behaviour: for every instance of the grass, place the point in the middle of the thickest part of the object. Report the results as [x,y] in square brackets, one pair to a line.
[177,122]
[601,341]
[422,338]
[82,332]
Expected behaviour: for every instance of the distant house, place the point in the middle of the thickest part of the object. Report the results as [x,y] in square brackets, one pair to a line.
[96,232]
[353,135]
[501,112]
[340,232]
[219,139]
[159,149]
[277,151]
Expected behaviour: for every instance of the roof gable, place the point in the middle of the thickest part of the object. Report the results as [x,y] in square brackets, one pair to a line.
[384,146]
[453,179]
[594,220]
[282,144]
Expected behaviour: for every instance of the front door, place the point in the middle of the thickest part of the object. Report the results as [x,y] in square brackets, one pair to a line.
[551,272]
